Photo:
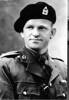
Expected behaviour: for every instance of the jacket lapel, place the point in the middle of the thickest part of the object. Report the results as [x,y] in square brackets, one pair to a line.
[55,71]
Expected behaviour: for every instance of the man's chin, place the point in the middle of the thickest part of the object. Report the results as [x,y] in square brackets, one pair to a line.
[35,47]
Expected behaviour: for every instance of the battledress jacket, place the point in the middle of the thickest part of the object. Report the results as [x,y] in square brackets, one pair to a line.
[21,79]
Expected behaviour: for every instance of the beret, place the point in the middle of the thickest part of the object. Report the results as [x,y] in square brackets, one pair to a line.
[39,10]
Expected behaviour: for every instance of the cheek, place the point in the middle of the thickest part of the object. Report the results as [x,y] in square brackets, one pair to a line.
[27,34]
[26,37]
[46,37]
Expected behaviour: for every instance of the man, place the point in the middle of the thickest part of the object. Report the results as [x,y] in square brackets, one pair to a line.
[31,73]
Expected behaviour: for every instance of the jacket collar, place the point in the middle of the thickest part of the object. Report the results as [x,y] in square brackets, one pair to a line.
[55,72]
[31,57]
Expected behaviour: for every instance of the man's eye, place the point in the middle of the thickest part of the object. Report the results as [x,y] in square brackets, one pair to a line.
[30,27]
[42,28]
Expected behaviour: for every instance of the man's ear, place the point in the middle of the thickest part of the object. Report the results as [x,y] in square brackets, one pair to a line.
[53,32]
[22,35]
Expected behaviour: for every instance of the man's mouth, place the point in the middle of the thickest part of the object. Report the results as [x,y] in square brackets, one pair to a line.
[36,39]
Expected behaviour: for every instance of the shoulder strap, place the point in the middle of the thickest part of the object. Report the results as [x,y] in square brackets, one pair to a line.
[11,54]
[58,59]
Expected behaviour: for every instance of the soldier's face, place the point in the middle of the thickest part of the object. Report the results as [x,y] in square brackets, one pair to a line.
[37,33]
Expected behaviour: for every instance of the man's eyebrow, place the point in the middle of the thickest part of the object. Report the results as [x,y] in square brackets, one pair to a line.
[29,25]
[43,26]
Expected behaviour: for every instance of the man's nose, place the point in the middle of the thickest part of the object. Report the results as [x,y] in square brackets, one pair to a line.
[36,33]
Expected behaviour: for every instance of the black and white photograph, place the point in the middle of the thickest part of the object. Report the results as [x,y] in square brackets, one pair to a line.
[33,49]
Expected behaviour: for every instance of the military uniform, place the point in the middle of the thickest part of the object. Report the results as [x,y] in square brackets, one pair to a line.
[27,75]
[24,75]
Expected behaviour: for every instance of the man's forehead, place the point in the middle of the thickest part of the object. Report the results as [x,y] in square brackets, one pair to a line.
[38,22]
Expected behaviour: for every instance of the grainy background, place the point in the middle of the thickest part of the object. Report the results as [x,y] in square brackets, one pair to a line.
[10,40]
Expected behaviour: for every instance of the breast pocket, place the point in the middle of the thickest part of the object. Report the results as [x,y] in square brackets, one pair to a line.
[26,90]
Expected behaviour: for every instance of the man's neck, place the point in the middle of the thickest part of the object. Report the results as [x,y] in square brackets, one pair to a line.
[40,52]
[43,51]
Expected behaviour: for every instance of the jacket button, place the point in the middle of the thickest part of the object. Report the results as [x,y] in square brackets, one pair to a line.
[24,92]
[50,84]
[18,58]
[64,95]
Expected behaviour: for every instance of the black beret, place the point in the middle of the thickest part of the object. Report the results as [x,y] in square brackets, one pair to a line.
[39,10]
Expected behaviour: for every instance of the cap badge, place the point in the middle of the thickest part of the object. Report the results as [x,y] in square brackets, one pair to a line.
[45,11]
